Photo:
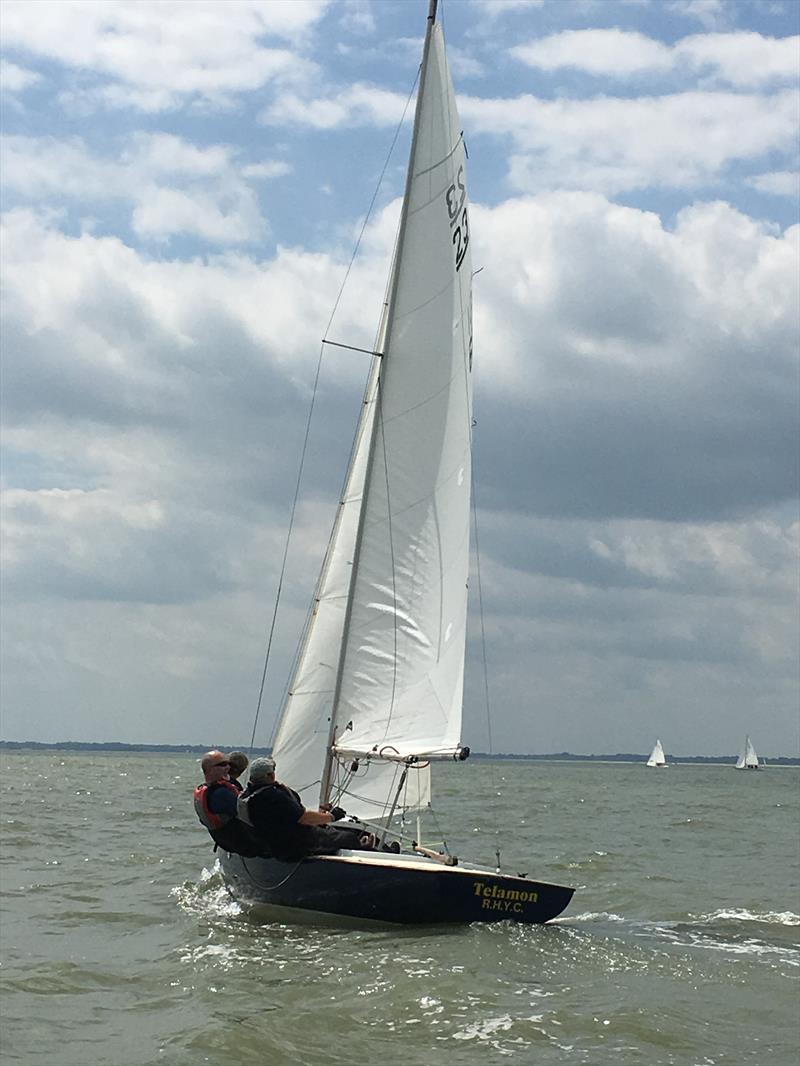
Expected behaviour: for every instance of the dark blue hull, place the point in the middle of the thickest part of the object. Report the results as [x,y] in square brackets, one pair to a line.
[401,889]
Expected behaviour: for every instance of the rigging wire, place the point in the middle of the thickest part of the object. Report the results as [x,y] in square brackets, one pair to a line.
[310,415]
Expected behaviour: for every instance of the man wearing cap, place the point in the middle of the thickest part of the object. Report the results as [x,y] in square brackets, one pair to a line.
[285,826]
[215,806]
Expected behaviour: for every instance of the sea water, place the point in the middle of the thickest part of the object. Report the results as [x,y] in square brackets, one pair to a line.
[122,947]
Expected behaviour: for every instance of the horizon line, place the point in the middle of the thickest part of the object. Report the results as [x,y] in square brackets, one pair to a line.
[192,748]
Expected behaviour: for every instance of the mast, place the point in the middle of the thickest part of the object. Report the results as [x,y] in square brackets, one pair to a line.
[327,773]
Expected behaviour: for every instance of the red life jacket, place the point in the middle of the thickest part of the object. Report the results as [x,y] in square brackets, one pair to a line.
[209,819]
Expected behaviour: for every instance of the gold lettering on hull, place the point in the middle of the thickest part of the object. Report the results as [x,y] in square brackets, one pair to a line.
[496,898]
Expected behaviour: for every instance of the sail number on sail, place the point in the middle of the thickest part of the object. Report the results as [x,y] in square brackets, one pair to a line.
[455,198]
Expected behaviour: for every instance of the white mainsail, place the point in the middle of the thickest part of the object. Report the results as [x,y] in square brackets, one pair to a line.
[401,676]
[657,756]
[380,670]
[748,760]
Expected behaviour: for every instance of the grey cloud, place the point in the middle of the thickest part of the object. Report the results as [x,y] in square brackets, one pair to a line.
[620,444]
[624,370]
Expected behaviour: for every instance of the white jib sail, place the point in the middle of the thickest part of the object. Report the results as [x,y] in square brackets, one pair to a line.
[304,730]
[657,756]
[303,734]
[402,671]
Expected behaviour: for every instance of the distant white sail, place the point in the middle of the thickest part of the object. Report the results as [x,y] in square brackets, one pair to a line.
[657,756]
[748,760]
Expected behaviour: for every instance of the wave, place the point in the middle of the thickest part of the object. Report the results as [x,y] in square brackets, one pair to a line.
[589,916]
[731,931]
[207,897]
[787,918]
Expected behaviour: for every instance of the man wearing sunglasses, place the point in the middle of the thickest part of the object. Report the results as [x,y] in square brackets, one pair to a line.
[215,805]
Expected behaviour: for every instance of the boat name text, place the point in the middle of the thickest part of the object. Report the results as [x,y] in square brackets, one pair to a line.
[496,898]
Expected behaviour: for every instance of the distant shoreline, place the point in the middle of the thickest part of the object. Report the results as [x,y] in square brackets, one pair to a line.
[198,749]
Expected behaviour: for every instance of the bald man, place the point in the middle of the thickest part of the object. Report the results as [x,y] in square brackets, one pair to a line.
[215,805]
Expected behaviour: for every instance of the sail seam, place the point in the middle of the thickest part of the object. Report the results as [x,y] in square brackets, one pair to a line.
[442,161]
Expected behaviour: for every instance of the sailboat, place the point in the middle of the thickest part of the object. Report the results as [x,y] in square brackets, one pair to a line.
[376,692]
[657,756]
[748,760]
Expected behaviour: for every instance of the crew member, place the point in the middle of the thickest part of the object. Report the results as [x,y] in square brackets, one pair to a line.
[286,827]
[215,804]
[238,764]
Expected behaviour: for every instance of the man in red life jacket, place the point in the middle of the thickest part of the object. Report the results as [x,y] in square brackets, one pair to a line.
[215,804]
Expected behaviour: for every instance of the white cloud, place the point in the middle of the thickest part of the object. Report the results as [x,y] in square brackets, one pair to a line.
[492,9]
[162,153]
[634,370]
[778,183]
[610,144]
[16,79]
[584,271]
[683,140]
[464,65]
[265,171]
[97,331]
[710,13]
[357,17]
[610,52]
[165,212]
[158,53]
[172,186]
[358,105]
[740,59]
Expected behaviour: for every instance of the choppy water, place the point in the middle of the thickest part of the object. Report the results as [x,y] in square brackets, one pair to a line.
[121,947]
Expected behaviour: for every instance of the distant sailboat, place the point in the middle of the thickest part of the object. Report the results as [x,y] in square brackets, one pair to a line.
[748,760]
[657,756]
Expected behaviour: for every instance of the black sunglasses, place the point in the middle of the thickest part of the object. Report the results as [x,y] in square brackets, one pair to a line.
[221,763]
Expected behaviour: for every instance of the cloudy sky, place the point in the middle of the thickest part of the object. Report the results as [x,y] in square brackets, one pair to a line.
[183,186]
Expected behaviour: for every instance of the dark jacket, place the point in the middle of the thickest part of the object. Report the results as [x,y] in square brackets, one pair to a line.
[273,811]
